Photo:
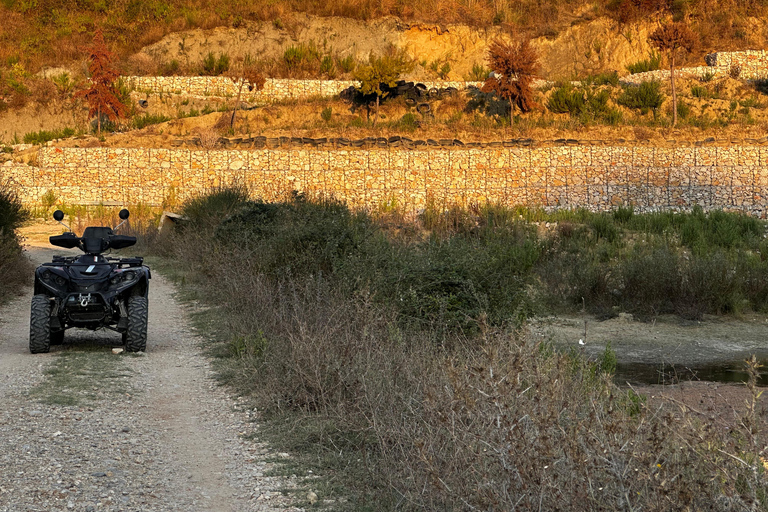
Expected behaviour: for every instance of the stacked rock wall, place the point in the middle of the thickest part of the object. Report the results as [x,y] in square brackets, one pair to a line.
[275,89]
[747,65]
[594,177]
[750,64]
[662,75]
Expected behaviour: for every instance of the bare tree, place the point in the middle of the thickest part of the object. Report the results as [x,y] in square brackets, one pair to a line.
[514,66]
[672,37]
[250,78]
[101,94]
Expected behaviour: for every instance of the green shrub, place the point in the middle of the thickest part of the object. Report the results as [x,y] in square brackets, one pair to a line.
[327,67]
[478,73]
[326,114]
[64,83]
[652,63]
[145,120]
[586,105]
[566,99]
[346,64]
[44,136]
[210,208]
[174,67]
[698,91]
[644,97]
[213,66]
[604,78]
[296,237]
[12,212]
[409,122]
[302,56]
[444,70]
[14,267]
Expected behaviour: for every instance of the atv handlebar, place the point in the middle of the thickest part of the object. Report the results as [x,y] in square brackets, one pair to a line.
[95,240]
[92,245]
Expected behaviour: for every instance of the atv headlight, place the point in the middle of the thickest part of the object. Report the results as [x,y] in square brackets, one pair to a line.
[115,279]
[129,276]
[53,278]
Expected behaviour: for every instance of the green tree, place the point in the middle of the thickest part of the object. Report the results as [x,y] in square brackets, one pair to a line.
[514,66]
[382,70]
[101,93]
[671,38]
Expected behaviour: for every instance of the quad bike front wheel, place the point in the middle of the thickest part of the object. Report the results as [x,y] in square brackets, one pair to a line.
[40,325]
[135,337]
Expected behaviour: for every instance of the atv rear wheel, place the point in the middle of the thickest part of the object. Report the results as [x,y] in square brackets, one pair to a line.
[40,325]
[136,335]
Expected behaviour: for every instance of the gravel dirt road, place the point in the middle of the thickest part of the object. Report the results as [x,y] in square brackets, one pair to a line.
[149,432]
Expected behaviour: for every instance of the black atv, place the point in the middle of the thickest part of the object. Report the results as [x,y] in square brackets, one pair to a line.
[91,291]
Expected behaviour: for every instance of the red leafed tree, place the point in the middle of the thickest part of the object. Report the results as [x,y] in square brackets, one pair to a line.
[671,38]
[101,94]
[514,66]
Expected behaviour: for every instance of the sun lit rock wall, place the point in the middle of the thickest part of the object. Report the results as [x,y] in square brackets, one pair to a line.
[593,177]
[748,64]
[275,89]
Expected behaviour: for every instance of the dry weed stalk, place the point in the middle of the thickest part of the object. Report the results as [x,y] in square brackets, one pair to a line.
[209,138]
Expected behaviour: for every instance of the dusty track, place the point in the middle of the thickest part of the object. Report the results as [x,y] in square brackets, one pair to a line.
[173,442]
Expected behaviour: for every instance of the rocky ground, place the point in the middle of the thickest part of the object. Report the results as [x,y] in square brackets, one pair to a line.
[85,429]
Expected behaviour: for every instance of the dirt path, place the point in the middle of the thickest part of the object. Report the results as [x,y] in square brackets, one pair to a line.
[156,434]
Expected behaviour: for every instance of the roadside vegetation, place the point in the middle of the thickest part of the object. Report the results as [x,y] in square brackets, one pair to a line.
[15,268]
[389,351]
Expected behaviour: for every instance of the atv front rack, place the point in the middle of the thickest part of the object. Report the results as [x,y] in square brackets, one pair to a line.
[58,260]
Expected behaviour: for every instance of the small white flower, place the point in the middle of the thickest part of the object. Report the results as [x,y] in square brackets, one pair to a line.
[581,342]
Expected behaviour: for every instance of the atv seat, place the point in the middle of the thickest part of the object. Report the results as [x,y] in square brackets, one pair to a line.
[96,239]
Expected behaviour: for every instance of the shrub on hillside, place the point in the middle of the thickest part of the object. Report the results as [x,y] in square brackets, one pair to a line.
[652,63]
[213,66]
[644,97]
[566,100]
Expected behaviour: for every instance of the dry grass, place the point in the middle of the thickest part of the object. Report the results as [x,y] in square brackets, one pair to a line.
[470,419]
[41,34]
